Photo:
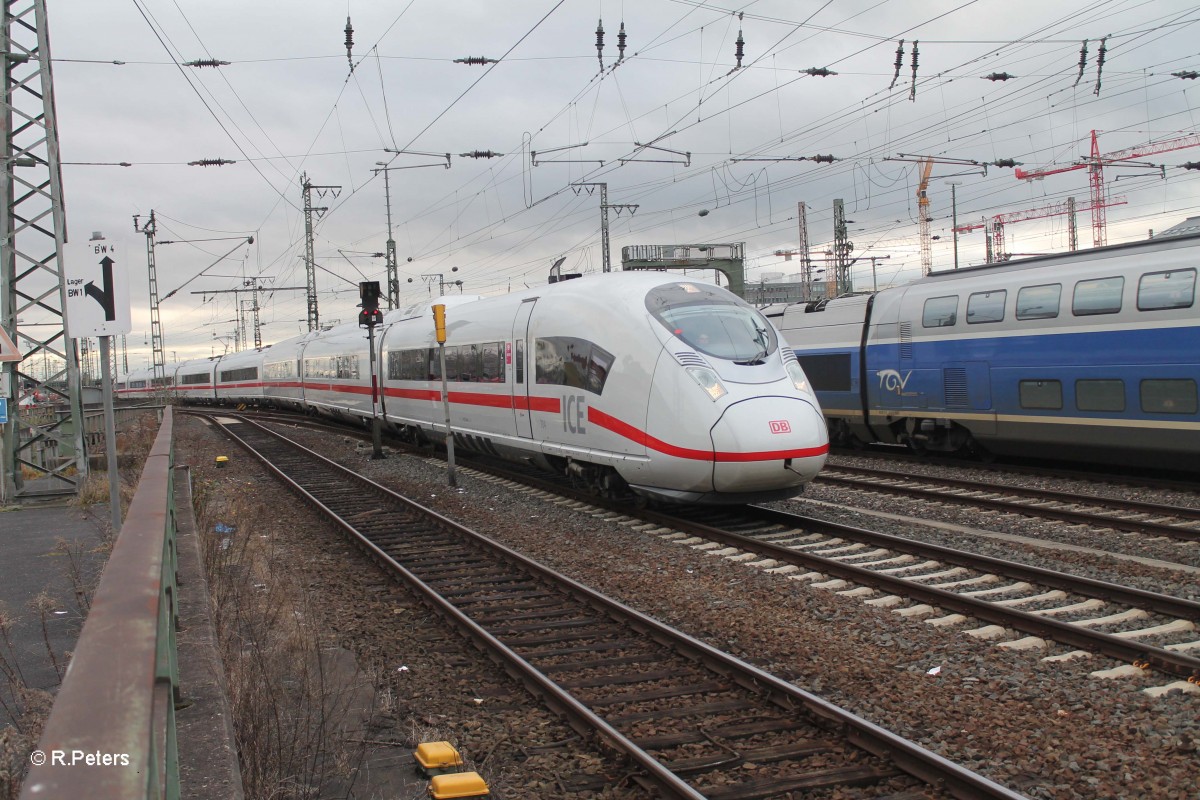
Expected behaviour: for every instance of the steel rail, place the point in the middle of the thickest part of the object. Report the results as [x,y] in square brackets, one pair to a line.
[908,756]
[1063,515]
[1115,503]
[1063,632]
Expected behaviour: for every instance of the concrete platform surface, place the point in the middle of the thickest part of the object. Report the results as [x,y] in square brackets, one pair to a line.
[45,551]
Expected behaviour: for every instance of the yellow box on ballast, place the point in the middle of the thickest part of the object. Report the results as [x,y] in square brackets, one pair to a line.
[435,758]
[458,784]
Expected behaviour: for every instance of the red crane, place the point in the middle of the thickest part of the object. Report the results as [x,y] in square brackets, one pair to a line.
[995,226]
[1095,166]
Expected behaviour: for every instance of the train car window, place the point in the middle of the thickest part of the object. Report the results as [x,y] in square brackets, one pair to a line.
[519,361]
[492,369]
[567,361]
[452,369]
[279,370]
[712,321]
[241,374]
[192,380]
[1100,395]
[599,363]
[347,367]
[827,372]
[940,312]
[1162,290]
[1099,296]
[1169,396]
[1039,302]
[986,306]
[1041,394]
[137,384]
[395,364]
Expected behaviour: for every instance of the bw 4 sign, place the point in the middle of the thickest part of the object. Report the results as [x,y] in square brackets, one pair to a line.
[97,292]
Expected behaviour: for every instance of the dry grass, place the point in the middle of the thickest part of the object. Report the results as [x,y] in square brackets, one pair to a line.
[295,707]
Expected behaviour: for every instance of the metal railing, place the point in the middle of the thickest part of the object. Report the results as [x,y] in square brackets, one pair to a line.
[111,732]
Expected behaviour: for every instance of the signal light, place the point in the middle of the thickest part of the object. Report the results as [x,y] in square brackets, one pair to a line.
[370,316]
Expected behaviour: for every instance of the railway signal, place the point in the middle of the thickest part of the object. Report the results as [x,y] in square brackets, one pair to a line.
[370,316]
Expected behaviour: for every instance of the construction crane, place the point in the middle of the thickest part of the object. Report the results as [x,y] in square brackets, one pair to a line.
[1095,166]
[995,225]
[923,212]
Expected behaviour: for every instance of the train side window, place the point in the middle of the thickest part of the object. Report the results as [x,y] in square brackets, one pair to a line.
[940,312]
[493,364]
[232,375]
[567,361]
[1100,395]
[827,372]
[1099,296]
[452,365]
[1162,290]
[199,377]
[519,360]
[1169,396]
[986,306]
[1039,302]
[599,364]
[1041,394]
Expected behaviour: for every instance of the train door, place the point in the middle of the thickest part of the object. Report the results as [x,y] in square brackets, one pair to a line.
[522,378]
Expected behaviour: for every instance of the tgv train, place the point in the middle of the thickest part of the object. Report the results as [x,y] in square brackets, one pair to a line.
[677,390]
[1090,356]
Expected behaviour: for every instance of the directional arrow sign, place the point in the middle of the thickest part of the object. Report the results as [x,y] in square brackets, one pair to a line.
[97,292]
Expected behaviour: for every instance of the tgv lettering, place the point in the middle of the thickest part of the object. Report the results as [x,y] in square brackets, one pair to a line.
[890,380]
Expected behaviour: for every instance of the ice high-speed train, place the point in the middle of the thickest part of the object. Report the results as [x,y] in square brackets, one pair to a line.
[1087,356]
[677,390]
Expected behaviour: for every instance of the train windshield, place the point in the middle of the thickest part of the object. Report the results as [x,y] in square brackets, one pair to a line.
[713,322]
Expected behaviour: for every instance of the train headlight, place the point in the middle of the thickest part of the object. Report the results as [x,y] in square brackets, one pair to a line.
[799,379]
[708,381]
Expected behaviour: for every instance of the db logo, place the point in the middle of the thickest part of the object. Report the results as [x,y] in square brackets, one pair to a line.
[781,426]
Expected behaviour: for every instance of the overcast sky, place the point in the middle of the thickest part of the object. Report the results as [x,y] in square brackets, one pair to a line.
[287,104]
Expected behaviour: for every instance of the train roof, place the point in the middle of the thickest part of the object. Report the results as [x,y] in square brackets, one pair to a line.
[1112,250]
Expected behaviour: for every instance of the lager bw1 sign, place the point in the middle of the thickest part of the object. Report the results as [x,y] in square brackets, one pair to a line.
[97,292]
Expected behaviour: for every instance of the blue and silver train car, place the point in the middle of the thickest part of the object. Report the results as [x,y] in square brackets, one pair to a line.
[1090,356]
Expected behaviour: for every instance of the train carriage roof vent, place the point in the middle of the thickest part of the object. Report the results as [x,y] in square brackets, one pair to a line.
[689,359]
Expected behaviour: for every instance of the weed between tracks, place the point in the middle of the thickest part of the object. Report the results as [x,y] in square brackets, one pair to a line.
[298,704]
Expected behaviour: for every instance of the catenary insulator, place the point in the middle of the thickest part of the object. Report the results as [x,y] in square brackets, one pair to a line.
[740,51]
[621,42]
[998,76]
[600,42]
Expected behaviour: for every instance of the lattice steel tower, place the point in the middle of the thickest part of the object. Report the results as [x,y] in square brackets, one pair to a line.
[33,233]
[310,260]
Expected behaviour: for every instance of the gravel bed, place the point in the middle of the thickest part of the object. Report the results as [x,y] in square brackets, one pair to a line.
[429,683]
[1116,542]
[1047,730]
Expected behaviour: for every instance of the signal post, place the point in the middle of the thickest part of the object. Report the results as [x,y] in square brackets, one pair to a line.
[439,328]
[369,317]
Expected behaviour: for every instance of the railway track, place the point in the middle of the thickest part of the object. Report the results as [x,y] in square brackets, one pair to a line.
[1176,522]
[698,723]
[945,586]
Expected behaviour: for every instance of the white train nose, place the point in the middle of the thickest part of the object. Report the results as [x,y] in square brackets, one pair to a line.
[768,443]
